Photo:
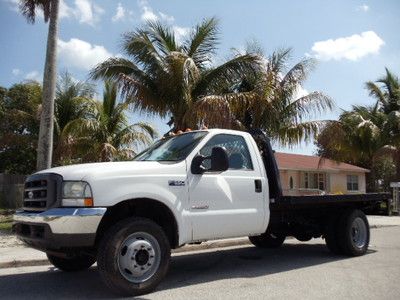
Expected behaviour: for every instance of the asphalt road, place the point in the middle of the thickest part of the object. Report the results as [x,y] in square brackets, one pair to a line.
[297,271]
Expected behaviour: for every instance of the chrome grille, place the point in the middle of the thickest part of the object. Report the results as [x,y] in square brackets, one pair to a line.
[40,192]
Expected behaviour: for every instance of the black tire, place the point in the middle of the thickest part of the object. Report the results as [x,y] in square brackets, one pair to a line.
[303,237]
[331,235]
[354,233]
[267,240]
[118,245]
[72,264]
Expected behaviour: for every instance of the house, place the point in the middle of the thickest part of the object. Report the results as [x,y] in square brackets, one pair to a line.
[312,175]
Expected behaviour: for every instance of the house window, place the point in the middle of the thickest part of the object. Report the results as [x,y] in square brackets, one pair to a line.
[352,182]
[314,181]
[291,183]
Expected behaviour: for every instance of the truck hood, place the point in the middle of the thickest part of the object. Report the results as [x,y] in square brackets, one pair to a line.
[113,169]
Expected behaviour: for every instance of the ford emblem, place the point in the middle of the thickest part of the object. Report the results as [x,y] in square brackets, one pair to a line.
[30,195]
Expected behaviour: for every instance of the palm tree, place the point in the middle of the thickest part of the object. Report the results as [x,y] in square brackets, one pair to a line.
[162,76]
[277,106]
[360,137]
[103,133]
[50,12]
[72,101]
[386,91]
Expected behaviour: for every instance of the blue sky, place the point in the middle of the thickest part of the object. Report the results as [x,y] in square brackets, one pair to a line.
[352,40]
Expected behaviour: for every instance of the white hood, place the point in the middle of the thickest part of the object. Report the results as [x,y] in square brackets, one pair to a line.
[113,169]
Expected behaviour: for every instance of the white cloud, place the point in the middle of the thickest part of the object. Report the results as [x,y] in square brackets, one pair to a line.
[147,12]
[352,47]
[64,10]
[34,75]
[16,72]
[180,32]
[81,54]
[363,8]
[166,18]
[87,12]
[119,14]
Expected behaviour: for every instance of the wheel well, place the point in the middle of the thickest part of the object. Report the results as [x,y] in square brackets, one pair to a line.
[146,208]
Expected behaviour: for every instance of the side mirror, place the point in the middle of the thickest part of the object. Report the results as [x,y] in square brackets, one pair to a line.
[196,167]
[219,161]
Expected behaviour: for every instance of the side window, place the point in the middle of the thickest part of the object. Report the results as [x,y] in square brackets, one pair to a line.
[235,145]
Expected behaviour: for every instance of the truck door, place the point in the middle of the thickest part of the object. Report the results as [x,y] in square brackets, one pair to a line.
[229,203]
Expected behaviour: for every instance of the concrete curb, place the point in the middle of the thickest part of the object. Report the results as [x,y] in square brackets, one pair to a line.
[188,248]
[24,263]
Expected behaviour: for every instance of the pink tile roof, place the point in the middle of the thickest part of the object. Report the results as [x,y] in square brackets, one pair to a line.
[307,162]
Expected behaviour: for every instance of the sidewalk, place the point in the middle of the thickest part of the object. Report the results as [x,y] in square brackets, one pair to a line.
[13,253]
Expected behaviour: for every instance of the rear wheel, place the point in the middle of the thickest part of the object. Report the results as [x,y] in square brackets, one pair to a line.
[303,237]
[71,264]
[354,233]
[134,256]
[267,240]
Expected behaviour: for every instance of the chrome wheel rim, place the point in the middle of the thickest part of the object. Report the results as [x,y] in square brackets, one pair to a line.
[359,233]
[139,257]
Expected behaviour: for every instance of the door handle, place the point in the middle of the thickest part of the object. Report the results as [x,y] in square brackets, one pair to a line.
[258,185]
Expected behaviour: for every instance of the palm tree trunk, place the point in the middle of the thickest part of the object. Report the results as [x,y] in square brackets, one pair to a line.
[45,143]
[397,160]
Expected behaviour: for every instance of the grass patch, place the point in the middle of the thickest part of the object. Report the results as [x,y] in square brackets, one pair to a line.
[6,223]
[6,211]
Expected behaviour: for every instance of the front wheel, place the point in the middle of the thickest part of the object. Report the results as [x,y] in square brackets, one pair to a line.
[72,264]
[134,256]
[267,240]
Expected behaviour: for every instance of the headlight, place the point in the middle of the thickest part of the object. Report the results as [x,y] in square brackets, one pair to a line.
[76,193]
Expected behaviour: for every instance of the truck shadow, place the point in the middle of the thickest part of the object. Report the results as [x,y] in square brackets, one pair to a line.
[186,269]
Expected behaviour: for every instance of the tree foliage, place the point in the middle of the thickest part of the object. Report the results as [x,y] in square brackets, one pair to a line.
[103,133]
[160,75]
[369,136]
[19,127]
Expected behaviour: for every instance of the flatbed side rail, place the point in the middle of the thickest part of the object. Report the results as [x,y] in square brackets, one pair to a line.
[294,202]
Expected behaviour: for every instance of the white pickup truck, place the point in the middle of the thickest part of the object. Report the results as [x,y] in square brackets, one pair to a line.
[192,187]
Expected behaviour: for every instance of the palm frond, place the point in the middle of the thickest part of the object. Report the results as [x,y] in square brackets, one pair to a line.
[140,45]
[141,97]
[213,79]
[296,133]
[163,37]
[201,45]
[310,105]
[298,73]
[146,128]
[114,67]
[277,61]
[28,9]
[219,110]
[375,92]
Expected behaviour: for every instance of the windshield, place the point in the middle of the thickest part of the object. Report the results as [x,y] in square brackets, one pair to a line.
[174,148]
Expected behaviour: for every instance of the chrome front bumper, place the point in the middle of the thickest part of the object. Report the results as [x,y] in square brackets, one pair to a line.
[58,227]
